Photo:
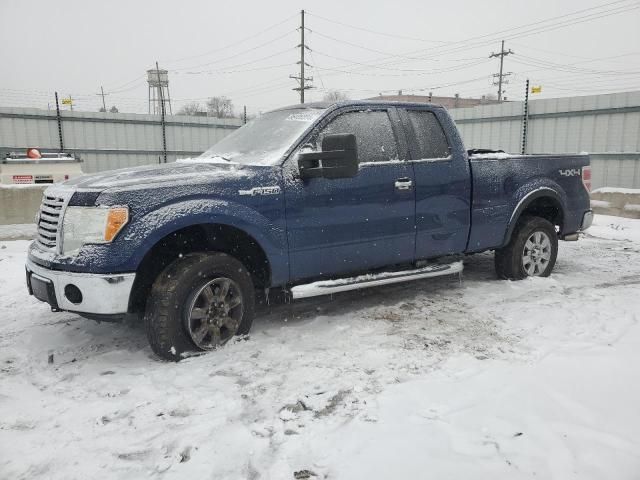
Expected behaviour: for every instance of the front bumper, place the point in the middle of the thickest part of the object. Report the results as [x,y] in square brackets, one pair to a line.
[99,294]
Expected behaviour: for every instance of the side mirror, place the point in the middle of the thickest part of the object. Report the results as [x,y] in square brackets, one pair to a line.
[338,158]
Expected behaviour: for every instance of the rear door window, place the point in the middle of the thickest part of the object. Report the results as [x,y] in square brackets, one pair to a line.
[430,140]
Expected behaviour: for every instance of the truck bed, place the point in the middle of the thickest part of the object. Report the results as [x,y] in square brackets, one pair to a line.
[500,181]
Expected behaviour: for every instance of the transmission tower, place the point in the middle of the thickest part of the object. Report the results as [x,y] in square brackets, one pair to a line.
[501,77]
[302,80]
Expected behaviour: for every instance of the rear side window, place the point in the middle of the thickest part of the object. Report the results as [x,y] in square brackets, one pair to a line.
[430,139]
[374,134]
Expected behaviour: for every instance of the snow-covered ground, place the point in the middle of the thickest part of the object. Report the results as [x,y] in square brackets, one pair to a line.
[485,380]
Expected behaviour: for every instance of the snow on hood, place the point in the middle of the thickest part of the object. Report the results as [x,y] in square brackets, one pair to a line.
[179,173]
[216,160]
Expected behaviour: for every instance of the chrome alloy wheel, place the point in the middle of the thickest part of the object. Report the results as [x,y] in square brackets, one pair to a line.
[536,253]
[214,313]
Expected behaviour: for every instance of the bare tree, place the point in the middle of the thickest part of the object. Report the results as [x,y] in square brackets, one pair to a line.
[335,96]
[192,109]
[114,109]
[220,107]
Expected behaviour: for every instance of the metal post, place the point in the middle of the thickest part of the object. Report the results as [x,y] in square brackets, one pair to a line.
[302,81]
[59,118]
[104,105]
[525,119]
[500,78]
[244,116]
[164,133]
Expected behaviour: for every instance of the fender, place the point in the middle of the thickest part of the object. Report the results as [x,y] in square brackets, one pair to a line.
[146,231]
[525,195]
[143,232]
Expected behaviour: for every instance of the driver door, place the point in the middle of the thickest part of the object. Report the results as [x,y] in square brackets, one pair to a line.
[345,225]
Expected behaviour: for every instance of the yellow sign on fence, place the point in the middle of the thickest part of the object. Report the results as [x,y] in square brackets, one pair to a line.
[67,101]
[536,89]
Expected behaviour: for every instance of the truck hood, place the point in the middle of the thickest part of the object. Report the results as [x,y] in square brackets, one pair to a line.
[156,175]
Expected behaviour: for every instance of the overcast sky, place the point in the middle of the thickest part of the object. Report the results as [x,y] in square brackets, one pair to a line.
[74,47]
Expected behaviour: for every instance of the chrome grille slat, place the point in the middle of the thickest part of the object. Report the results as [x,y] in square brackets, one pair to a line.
[50,210]
[49,218]
[46,243]
[47,234]
[48,230]
[49,221]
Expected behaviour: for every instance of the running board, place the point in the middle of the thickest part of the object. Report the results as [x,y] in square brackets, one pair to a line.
[326,287]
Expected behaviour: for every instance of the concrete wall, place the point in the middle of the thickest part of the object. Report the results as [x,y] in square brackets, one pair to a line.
[606,126]
[19,204]
[619,202]
[110,140]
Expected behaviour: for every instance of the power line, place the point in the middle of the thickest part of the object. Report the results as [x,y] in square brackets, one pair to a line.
[231,45]
[476,61]
[375,32]
[417,74]
[225,72]
[482,40]
[266,57]
[273,40]
[570,67]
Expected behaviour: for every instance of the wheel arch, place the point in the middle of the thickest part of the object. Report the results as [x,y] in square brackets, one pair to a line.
[544,202]
[199,237]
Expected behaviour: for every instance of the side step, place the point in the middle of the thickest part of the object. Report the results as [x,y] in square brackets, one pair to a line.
[326,287]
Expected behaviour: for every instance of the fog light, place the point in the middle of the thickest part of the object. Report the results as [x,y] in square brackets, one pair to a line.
[73,294]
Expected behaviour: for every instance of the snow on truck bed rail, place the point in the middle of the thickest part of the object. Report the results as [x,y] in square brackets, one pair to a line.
[488,379]
[491,156]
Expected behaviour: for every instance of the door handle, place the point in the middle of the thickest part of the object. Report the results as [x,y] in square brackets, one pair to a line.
[404,184]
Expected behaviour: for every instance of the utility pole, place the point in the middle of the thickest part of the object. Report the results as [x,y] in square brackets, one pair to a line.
[164,134]
[302,80]
[104,105]
[501,76]
[244,115]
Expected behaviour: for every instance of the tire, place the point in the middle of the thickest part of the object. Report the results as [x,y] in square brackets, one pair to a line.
[189,298]
[519,260]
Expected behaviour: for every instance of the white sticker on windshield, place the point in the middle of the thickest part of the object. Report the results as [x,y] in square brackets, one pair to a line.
[303,116]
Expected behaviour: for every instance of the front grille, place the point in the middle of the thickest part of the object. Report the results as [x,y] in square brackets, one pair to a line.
[49,221]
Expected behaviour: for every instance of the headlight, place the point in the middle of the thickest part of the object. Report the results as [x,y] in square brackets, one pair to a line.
[82,225]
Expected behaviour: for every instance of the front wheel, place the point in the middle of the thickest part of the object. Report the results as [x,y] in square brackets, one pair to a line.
[531,252]
[199,302]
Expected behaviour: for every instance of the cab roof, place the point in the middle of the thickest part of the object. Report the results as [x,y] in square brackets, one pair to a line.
[357,103]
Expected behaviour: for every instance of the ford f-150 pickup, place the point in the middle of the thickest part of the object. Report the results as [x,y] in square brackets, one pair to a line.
[309,199]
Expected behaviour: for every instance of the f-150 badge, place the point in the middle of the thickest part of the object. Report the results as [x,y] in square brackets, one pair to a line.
[260,191]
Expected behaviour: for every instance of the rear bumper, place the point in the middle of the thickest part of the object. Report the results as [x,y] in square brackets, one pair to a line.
[98,294]
[587,220]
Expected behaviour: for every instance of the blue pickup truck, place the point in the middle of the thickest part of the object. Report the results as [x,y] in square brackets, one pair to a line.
[307,200]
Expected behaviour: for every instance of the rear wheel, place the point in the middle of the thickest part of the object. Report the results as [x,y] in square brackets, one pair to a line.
[199,302]
[531,252]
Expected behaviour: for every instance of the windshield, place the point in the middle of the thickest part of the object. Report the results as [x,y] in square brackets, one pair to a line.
[264,140]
